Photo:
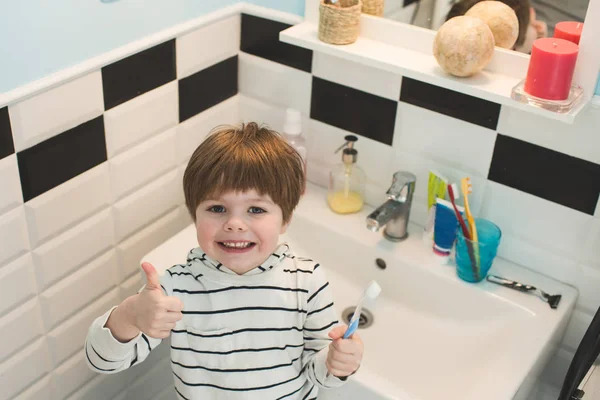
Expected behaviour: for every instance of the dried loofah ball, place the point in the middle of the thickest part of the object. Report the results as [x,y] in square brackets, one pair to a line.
[463,46]
[501,19]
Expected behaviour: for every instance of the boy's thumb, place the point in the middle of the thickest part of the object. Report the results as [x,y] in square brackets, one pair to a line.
[337,332]
[153,282]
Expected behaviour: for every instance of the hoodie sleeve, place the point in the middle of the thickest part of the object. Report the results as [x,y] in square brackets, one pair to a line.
[106,355]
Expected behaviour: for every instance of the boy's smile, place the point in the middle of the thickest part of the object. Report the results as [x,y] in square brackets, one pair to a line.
[239,229]
[234,246]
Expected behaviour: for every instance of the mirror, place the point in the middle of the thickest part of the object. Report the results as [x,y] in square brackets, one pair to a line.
[540,15]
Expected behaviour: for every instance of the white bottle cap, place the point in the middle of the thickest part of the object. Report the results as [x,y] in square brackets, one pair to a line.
[293,122]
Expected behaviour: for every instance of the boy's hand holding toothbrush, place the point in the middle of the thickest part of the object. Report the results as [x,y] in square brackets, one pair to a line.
[344,355]
[346,350]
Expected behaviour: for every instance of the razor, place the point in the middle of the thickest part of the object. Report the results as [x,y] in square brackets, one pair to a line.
[551,299]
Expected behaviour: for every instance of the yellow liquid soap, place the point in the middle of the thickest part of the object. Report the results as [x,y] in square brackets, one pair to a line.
[345,202]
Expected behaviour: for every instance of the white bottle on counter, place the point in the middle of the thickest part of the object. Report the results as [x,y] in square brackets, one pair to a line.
[292,131]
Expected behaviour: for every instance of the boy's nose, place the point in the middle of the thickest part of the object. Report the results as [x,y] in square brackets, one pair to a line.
[235,225]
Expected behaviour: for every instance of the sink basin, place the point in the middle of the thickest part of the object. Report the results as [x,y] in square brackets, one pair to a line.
[433,336]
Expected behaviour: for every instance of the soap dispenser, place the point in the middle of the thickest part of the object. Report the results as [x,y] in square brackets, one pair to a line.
[347,181]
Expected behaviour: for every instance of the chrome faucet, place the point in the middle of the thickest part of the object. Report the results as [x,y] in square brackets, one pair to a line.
[395,211]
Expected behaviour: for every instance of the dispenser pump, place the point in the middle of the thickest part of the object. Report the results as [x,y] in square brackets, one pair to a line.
[349,153]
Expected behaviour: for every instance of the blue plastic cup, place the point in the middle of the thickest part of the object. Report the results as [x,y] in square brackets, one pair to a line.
[474,259]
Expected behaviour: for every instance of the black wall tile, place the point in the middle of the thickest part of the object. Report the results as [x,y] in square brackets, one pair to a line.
[545,173]
[260,37]
[62,157]
[448,102]
[353,110]
[6,140]
[207,88]
[138,74]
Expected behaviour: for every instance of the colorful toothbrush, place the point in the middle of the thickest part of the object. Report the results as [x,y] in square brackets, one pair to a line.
[371,292]
[467,189]
[453,193]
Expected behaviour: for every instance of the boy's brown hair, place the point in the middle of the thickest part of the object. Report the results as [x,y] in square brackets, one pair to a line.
[244,158]
[521,8]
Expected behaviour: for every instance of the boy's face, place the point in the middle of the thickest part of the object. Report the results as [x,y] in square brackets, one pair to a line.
[240,229]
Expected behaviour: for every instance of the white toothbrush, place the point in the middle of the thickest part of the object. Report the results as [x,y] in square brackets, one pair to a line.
[371,292]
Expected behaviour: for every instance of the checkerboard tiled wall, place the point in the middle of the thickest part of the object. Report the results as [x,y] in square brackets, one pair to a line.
[91,180]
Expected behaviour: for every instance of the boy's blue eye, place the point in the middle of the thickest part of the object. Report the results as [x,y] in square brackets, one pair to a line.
[216,209]
[256,210]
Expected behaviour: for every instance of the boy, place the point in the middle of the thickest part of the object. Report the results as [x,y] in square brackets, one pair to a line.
[247,318]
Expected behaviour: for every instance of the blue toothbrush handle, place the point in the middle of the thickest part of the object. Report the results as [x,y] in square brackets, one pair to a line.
[351,329]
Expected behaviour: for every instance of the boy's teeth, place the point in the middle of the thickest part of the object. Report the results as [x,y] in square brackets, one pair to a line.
[236,244]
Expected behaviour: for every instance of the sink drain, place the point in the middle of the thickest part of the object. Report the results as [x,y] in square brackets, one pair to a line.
[365,320]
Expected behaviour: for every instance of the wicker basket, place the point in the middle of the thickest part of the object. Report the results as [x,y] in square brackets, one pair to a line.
[339,24]
[373,7]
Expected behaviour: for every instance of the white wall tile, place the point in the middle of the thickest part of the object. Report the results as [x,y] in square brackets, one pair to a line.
[591,253]
[144,206]
[56,110]
[374,158]
[579,139]
[21,326]
[63,254]
[208,45]
[588,285]
[60,208]
[131,285]
[17,283]
[193,131]
[141,164]
[102,387]
[538,258]
[42,389]
[78,289]
[70,376]
[23,369]
[67,338]
[358,76]
[131,250]
[447,140]
[420,167]
[10,195]
[258,111]
[13,235]
[578,324]
[286,86]
[141,117]
[538,221]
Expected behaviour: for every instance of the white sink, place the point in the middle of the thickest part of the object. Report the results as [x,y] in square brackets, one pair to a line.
[434,336]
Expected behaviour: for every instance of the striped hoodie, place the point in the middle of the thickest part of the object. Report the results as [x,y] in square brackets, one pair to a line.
[260,335]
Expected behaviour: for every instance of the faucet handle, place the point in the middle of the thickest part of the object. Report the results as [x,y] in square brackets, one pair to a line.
[403,186]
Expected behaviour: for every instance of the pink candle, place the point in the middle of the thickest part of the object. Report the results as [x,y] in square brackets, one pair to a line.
[569,30]
[551,68]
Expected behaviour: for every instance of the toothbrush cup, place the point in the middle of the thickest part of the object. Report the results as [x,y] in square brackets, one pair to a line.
[489,236]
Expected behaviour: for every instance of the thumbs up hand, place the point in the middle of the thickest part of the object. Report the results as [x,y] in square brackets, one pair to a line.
[155,313]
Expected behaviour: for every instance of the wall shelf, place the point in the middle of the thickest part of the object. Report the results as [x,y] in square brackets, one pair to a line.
[486,85]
